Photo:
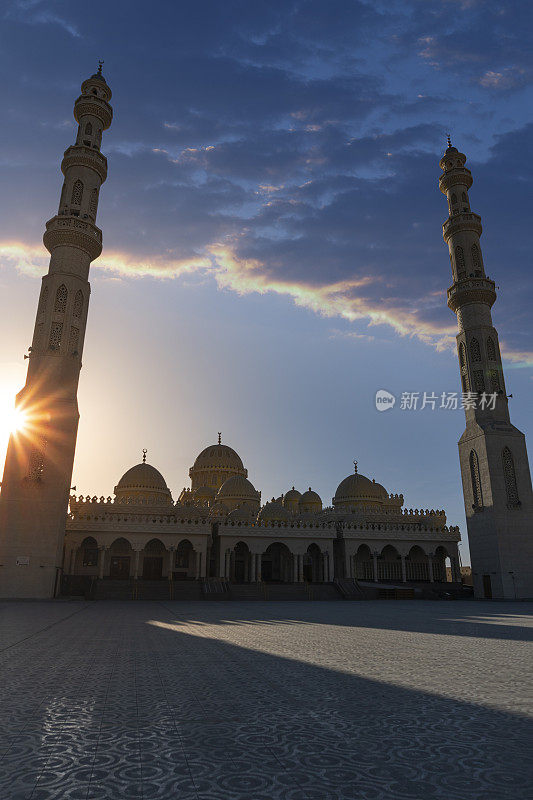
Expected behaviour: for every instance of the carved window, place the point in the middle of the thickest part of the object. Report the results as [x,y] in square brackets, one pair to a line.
[56,332]
[459,258]
[476,480]
[93,202]
[77,193]
[491,350]
[88,129]
[476,262]
[478,380]
[36,462]
[509,475]
[475,351]
[60,304]
[43,302]
[463,366]
[494,380]
[73,340]
[78,304]
[454,199]
[464,198]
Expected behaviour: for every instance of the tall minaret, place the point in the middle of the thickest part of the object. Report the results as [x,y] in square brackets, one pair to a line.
[38,468]
[492,452]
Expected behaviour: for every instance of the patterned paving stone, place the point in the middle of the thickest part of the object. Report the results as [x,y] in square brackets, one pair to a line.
[284,701]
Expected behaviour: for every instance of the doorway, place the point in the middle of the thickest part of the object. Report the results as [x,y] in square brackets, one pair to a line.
[119,568]
[152,568]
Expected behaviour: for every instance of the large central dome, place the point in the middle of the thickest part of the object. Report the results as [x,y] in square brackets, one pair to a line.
[143,482]
[359,490]
[215,465]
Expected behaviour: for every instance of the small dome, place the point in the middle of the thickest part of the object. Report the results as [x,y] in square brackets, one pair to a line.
[310,501]
[204,493]
[292,496]
[218,455]
[241,514]
[361,490]
[273,512]
[143,481]
[238,487]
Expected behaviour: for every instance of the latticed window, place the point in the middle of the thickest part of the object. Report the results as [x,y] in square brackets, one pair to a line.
[38,334]
[43,302]
[73,338]
[78,304]
[475,256]
[464,197]
[463,366]
[491,350]
[454,198]
[475,351]
[459,258]
[93,202]
[479,382]
[476,480]
[77,193]
[36,462]
[494,380]
[88,129]
[60,305]
[56,332]
[509,475]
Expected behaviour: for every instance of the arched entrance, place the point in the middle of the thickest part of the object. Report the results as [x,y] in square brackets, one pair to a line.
[241,563]
[184,561]
[440,561]
[313,564]
[89,552]
[277,564]
[120,559]
[389,564]
[364,566]
[416,565]
[153,560]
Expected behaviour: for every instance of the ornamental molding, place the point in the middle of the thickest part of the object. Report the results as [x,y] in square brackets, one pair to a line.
[458,224]
[94,107]
[73,232]
[455,179]
[84,159]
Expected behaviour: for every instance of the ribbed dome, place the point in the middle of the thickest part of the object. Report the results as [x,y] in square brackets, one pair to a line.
[359,489]
[273,512]
[241,514]
[143,481]
[238,487]
[292,496]
[218,455]
[310,501]
[204,493]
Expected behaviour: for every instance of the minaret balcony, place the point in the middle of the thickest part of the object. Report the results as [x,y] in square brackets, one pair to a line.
[471,290]
[465,221]
[90,105]
[79,155]
[70,231]
[456,177]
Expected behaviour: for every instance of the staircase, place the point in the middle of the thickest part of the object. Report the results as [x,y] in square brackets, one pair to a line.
[113,590]
[350,589]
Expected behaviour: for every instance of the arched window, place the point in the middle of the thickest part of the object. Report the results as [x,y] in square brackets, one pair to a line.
[73,340]
[61,300]
[494,379]
[36,462]
[454,199]
[476,480]
[77,193]
[475,256]
[56,332]
[464,198]
[459,258]
[479,382]
[509,475]
[88,129]
[475,351]
[463,365]
[43,301]
[93,201]
[78,304]
[491,350]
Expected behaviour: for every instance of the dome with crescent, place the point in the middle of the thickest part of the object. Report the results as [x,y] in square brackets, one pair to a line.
[143,482]
[215,465]
[358,490]
[238,491]
[310,502]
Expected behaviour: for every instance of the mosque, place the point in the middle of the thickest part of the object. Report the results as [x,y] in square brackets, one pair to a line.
[218,534]
[218,529]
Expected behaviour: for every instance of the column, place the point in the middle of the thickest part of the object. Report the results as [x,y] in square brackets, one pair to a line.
[404,570]
[259,575]
[136,564]
[170,563]
[456,571]
[348,563]
[253,564]
[430,568]
[101,556]
[198,564]
[375,565]
[295,558]
[222,562]
[331,566]
[72,566]
[300,568]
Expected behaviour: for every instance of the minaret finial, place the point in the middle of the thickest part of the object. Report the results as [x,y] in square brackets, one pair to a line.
[100,62]
[144,455]
[355,467]
[219,438]
[449,140]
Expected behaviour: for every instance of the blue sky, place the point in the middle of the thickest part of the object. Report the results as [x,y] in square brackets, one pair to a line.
[272,227]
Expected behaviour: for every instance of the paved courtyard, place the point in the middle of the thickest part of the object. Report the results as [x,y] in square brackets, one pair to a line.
[376,700]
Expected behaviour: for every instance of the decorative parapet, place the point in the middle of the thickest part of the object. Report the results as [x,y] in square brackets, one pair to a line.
[464,221]
[471,290]
[73,232]
[83,156]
